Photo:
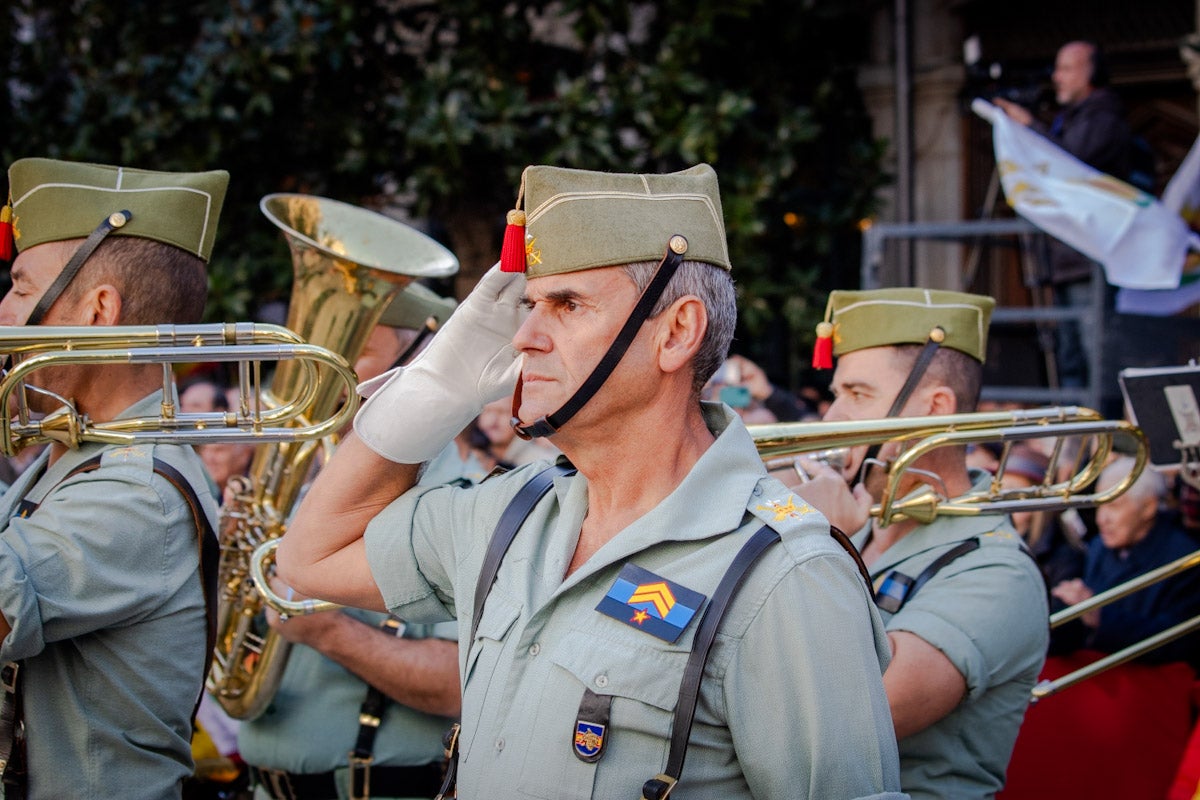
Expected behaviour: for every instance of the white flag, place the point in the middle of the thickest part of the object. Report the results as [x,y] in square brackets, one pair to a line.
[1140,242]
[1181,195]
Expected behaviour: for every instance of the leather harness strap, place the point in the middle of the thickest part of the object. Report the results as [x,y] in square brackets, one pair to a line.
[511,520]
[660,786]
[12,758]
[514,516]
[370,716]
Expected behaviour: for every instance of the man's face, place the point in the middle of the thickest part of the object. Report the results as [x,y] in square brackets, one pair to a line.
[198,398]
[495,422]
[865,385]
[1072,73]
[1125,521]
[383,347]
[33,271]
[573,318]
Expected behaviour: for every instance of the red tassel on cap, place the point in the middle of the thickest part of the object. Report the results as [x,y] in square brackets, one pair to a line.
[823,350]
[512,253]
[6,234]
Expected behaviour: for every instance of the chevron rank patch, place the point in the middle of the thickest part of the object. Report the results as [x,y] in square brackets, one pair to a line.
[645,601]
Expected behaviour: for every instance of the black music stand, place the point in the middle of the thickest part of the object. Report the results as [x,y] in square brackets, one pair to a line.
[1165,403]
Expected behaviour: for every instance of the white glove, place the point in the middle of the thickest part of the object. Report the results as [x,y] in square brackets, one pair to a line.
[413,411]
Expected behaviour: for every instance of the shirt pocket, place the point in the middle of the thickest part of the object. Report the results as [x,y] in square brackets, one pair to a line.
[500,613]
[641,677]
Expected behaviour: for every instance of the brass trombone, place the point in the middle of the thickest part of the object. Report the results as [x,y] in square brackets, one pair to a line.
[781,443]
[250,345]
[1046,688]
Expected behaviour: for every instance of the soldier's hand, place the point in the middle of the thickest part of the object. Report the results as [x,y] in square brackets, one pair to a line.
[306,629]
[827,491]
[412,412]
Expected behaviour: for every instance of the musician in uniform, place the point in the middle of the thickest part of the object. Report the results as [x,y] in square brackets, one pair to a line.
[101,586]
[608,572]
[963,601]
[365,697]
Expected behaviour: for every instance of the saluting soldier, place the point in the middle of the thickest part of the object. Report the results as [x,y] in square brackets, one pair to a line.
[103,610]
[584,589]
[963,600]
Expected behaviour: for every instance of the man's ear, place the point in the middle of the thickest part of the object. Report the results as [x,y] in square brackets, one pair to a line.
[940,400]
[684,324]
[101,305]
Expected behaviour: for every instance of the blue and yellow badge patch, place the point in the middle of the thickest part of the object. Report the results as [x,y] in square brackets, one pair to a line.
[643,600]
[589,740]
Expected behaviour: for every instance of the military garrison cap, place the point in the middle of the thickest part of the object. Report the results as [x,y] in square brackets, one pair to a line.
[577,219]
[883,317]
[415,304]
[55,200]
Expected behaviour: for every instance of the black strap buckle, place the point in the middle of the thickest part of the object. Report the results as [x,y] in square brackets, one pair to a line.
[659,787]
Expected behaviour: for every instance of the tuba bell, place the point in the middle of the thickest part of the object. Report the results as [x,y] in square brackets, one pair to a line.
[349,264]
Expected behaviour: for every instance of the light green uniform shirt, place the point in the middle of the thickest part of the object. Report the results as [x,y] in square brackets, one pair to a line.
[791,703]
[101,586]
[987,612]
[311,723]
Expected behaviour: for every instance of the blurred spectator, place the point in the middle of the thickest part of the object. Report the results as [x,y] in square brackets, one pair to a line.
[508,449]
[781,403]
[984,455]
[202,395]
[1135,535]
[743,386]
[1059,556]
[222,460]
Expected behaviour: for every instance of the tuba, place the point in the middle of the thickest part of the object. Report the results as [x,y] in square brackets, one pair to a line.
[349,264]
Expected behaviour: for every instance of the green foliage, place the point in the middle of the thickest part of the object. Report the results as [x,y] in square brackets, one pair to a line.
[437,107]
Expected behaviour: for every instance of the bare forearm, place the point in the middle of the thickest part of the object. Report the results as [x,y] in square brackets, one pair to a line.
[322,554]
[419,673]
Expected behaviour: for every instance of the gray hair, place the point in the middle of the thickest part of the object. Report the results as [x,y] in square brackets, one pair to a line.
[714,286]
[1150,485]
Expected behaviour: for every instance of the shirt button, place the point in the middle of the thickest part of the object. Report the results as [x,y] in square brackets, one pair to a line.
[499,745]
[757,491]
[534,649]
[602,681]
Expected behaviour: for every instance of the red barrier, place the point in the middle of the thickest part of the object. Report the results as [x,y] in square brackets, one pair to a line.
[1119,734]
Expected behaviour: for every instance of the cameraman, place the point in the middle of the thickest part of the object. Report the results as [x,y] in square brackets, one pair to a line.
[1090,126]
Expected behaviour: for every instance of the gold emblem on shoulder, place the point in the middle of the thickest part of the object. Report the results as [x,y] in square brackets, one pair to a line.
[784,511]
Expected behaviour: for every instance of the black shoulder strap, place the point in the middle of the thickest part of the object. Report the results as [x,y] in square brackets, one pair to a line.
[370,717]
[511,520]
[897,588]
[207,545]
[12,765]
[936,566]
[660,786]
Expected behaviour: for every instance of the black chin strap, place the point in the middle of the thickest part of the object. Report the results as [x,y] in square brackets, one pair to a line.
[114,221]
[936,337]
[548,426]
